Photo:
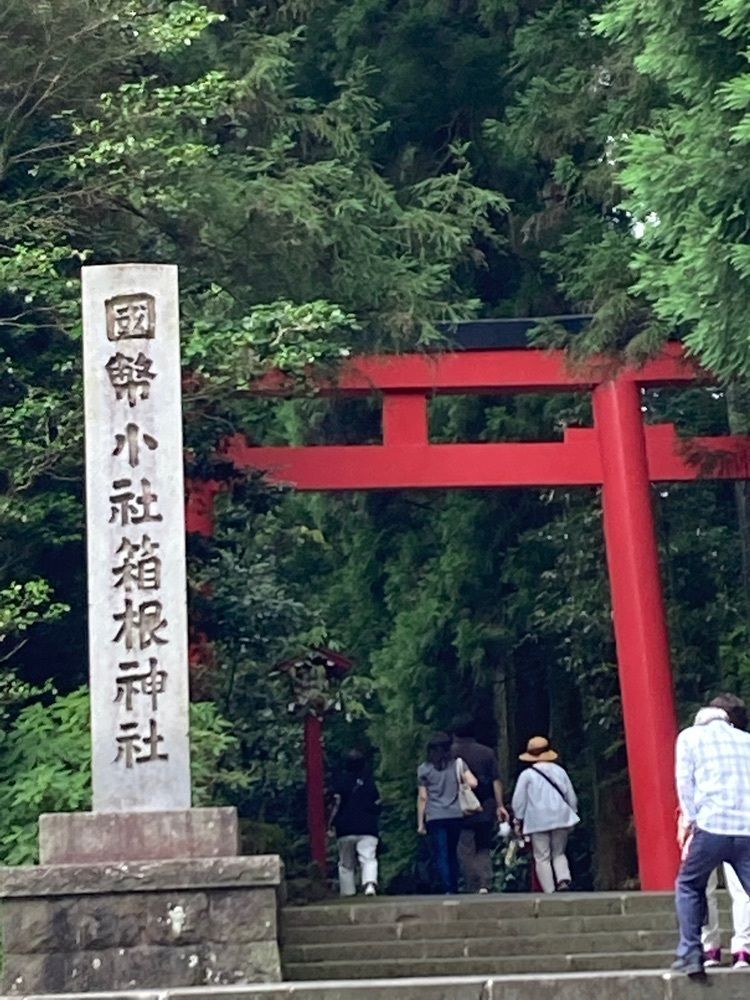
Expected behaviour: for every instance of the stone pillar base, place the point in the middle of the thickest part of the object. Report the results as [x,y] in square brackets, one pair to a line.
[140,925]
[88,838]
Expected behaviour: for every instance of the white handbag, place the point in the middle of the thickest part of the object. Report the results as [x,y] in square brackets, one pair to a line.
[468,801]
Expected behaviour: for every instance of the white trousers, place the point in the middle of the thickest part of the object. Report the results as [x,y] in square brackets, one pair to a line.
[357,847]
[711,936]
[549,858]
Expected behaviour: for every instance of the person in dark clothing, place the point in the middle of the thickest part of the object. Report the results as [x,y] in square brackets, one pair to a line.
[475,842]
[439,812]
[354,817]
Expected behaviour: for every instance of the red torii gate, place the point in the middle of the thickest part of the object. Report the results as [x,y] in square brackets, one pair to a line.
[620,454]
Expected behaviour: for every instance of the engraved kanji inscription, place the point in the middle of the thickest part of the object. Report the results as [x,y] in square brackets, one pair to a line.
[128,507]
[133,748]
[131,317]
[140,625]
[151,683]
[140,568]
[130,377]
[132,440]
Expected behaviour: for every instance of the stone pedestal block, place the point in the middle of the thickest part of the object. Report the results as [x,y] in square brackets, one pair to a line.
[140,925]
[88,838]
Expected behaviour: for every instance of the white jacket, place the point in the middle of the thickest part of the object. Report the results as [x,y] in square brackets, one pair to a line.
[539,805]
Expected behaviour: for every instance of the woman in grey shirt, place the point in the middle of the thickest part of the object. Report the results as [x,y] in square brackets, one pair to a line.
[439,812]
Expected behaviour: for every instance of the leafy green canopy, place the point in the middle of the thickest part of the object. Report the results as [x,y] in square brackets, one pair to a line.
[48,752]
[186,132]
[292,243]
[685,172]
[331,178]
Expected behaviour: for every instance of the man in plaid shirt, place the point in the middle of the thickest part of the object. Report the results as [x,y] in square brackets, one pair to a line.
[713,785]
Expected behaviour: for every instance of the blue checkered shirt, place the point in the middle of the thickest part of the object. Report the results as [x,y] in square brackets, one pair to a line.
[713,778]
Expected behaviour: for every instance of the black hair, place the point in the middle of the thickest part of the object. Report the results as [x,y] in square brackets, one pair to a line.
[735,708]
[463,727]
[354,762]
[439,751]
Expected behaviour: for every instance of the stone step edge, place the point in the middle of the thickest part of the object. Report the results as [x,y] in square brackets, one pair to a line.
[485,985]
[451,935]
[538,900]
[540,954]
[485,940]
[427,908]
[666,953]
[472,930]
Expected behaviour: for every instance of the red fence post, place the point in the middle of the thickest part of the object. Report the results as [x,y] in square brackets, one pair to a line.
[316,818]
[640,628]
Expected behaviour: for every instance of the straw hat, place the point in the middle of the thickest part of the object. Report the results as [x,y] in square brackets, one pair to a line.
[537,749]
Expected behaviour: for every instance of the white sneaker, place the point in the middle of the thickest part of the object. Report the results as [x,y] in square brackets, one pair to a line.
[741,960]
[370,889]
[483,892]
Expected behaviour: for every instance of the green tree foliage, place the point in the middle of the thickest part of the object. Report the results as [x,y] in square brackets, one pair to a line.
[333,178]
[292,242]
[684,170]
[45,765]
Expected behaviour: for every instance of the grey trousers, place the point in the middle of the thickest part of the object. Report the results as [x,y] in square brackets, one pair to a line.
[474,857]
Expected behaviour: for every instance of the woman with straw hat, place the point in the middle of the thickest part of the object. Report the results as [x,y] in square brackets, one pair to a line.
[545,804]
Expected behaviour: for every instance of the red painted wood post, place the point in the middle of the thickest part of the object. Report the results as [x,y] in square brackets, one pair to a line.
[199,506]
[640,628]
[405,418]
[316,817]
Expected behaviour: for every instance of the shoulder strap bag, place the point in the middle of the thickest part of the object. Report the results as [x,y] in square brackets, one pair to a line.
[554,785]
[468,801]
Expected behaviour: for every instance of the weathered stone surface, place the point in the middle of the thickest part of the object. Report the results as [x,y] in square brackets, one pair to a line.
[109,969]
[252,962]
[238,918]
[481,947]
[494,907]
[177,917]
[723,985]
[151,966]
[472,929]
[504,963]
[105,921]
[141,876]
[625,986]
[147,931]
[409,989]
[134,480]
[86,838]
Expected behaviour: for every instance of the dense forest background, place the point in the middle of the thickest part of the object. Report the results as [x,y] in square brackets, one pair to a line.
[340,177]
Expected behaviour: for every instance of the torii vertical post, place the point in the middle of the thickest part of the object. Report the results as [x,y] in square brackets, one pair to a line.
[316,820]
[639,615]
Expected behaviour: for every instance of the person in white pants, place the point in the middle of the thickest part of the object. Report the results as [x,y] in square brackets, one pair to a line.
[711,936]
[357,848]
[544,805]
[354,817]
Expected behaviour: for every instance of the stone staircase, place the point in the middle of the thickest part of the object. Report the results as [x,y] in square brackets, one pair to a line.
[494,935]
[603,946]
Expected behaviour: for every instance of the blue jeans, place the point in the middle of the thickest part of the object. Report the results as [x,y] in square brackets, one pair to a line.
[444,834]
[707,851]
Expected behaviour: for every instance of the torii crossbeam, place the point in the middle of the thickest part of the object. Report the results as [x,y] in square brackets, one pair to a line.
[619,453]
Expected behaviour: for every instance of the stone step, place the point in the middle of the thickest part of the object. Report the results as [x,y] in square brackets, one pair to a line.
[499,929]
[510,906]
[626,985]
[480,947]
[533,964]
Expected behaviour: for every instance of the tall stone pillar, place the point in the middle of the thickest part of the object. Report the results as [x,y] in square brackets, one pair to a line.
[137,892]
